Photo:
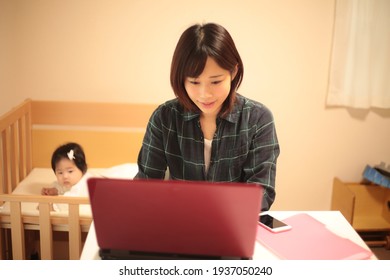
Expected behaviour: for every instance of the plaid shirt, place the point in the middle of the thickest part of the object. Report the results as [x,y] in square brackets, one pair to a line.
[244,148]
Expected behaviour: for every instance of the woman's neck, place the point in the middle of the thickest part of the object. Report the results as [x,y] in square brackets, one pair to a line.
[208,125]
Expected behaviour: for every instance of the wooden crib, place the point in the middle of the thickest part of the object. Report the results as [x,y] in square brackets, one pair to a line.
[110,133]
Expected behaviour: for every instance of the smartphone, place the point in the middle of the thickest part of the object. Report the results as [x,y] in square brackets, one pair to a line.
[272,224]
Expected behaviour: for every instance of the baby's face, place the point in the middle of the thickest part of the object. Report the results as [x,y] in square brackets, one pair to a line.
[67,173]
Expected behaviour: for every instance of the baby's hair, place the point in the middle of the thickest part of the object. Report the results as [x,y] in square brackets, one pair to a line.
[72,151]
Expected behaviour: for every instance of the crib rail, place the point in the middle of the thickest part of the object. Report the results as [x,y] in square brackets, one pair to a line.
[45,222]
[15,146]
[28,135]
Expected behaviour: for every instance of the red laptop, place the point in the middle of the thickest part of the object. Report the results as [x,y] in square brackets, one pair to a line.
[157,219]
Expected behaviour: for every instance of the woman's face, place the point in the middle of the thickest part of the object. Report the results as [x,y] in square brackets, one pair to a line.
[67,173]
[210,89]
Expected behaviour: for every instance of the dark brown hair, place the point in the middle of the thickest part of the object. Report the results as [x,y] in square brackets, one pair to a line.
[195,45]
[78,156]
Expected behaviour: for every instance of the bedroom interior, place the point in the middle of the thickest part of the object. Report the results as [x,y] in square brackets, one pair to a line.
[69,63]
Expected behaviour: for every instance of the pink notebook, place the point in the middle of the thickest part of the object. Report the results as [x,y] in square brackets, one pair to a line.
[309,239]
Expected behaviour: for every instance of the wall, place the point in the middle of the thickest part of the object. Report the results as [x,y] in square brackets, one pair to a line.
[120,51]
[8,95]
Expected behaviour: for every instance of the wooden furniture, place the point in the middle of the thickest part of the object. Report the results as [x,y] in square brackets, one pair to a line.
[367,209]
[45,224]
[110,133]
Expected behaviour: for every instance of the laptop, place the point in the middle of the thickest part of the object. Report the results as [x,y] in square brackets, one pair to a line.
[164,219]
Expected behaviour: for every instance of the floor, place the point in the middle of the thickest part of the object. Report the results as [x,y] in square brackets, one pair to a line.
[381,252]
[378,243]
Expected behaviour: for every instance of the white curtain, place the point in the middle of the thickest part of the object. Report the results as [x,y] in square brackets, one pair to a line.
[360,63]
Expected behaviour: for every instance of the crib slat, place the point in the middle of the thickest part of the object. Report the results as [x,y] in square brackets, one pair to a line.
[74,232]
[14,155]
[46,232]
[3,160]
[2,244]
[27,136]
[21,148]
[5,136]
[18,248]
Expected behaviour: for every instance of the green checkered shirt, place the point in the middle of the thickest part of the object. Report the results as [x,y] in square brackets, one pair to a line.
[244,148]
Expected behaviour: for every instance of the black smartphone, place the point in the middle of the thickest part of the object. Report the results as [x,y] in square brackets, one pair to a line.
[272,224]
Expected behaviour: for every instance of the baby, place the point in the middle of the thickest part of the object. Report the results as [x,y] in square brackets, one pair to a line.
[69,165]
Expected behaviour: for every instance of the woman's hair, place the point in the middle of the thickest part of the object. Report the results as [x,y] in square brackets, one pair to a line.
[71,151]
[195,45]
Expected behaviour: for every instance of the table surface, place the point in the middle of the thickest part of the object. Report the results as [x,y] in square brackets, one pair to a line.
[333,220]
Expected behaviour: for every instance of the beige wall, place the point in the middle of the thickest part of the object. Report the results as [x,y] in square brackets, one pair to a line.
[8,95]
[120,51]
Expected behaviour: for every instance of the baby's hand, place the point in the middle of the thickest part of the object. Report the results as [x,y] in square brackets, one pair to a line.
[49,191]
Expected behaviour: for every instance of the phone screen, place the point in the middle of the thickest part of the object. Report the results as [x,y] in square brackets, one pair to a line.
[271,222]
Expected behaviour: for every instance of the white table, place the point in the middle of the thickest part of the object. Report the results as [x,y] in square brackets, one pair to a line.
[334,221]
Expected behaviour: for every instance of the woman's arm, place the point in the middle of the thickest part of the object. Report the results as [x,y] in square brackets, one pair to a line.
[151,158]
[260,166]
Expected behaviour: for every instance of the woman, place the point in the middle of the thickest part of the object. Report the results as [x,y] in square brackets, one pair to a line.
[209,131]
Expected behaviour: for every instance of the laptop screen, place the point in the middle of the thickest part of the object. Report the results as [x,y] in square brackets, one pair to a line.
[175,217]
